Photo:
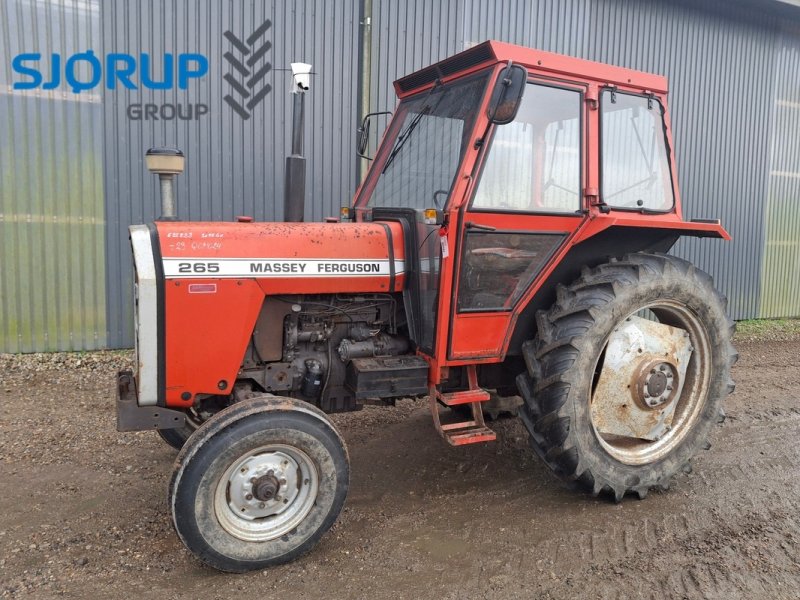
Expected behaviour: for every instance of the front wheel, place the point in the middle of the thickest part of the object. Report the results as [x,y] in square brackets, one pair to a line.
[259,484]
[627,374]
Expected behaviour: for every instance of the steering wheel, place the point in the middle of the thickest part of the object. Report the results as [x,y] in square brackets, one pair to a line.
[436,200]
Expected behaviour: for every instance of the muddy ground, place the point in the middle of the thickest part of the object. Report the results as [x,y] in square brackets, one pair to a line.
[83,510]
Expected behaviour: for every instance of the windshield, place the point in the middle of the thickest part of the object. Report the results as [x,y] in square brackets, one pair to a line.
[429,137]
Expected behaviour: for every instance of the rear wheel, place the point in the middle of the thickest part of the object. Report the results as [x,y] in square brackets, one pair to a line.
[259,484]
[627,374]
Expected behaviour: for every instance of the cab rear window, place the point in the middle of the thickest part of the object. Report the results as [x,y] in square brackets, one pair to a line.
[634,159]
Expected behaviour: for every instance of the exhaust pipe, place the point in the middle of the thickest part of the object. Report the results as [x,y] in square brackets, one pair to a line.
[166,163]
[294,193]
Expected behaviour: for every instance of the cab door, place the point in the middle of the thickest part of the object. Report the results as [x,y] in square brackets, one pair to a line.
[525,203]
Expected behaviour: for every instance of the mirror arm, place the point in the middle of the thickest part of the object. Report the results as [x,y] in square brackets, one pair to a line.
[507,80]
[363,129]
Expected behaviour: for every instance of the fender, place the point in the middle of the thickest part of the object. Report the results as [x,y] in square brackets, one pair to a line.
[600,240]
[696,228]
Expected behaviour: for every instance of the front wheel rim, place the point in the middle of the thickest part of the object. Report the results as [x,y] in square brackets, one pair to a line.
[688,405]
[266,493]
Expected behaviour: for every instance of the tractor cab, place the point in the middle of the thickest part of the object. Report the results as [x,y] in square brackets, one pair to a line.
[492,163]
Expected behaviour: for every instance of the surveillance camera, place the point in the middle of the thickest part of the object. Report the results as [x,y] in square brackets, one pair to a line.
[301,73]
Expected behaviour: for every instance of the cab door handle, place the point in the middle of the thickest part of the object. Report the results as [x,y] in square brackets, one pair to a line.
[478,226]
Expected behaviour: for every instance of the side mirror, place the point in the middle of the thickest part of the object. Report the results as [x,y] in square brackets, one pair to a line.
[362,139]
[507,94]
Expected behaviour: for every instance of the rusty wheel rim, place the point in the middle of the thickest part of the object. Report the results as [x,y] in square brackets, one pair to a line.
[686,406]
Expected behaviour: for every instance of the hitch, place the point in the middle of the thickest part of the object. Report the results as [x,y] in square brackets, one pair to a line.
[132,417]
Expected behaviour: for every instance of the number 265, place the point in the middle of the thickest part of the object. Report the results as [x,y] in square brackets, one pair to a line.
[211,267]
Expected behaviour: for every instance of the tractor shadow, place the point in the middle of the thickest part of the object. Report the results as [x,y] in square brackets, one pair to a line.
[405,463]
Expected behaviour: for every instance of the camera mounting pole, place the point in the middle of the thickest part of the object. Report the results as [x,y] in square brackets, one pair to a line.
[295,181]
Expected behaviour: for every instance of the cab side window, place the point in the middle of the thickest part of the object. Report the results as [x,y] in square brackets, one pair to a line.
[534,163]
[634,163]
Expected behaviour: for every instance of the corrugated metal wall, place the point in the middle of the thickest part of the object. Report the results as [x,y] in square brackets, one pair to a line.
[719,57]
[73,176]
[780,293]
[52,223]
[234,166]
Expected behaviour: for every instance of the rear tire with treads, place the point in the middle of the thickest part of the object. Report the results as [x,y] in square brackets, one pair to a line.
[564,359]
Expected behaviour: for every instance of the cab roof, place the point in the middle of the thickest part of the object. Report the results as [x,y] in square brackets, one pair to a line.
[536,61]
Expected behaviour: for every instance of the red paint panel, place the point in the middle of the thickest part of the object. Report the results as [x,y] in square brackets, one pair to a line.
[320,254]
[479,334]
[668,221]
[206,336]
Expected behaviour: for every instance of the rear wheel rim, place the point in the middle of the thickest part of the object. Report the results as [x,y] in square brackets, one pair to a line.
[689,404]
[266,493]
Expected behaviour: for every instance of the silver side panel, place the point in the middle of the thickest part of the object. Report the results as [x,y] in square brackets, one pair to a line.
[145,315]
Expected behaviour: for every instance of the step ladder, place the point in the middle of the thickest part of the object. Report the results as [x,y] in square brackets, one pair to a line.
[464,432]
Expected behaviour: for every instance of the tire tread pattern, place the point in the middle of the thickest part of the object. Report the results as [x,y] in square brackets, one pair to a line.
[550,357]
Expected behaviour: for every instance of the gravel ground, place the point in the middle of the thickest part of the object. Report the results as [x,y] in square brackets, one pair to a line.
[83,511]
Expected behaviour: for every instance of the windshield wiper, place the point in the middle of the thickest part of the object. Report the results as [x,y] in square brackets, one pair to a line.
[401,139]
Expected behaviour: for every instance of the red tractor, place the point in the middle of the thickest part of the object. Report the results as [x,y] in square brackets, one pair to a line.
[509,239]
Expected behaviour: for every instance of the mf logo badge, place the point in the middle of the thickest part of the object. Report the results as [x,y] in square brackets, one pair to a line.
[243,56]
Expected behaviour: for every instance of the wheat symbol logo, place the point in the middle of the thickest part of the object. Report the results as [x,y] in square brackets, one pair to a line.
[244,97]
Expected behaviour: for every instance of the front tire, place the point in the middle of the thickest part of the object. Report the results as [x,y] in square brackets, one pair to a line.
[603,415]
[177,437]
[259,484]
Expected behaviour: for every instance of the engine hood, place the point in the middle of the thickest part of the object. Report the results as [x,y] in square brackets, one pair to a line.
[286,257]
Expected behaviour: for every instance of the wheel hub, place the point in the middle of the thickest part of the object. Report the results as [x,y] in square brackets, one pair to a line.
[266,487]
[641,379]
[655,384]
[263,485]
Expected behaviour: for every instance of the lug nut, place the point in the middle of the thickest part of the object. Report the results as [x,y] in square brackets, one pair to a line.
[283,482]
[248,497]
[261,505]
